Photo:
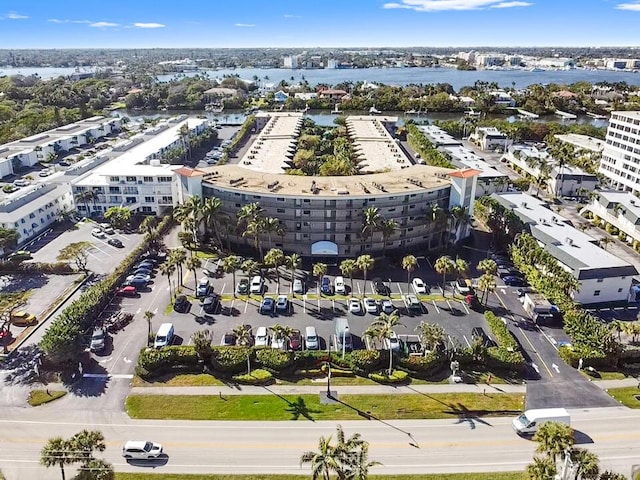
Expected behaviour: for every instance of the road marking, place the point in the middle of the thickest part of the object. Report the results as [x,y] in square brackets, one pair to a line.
[224,285]
[126,360]
[465,339]
[535,367]
[555,367]
[107,375]
[101,361]
[449,305]
[138,311]
[359,291]
[464,305]
[246,305]
[304,303]
[333,305]
[435,306]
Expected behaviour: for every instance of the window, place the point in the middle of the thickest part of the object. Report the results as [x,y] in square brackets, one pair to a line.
[131,179]
[147,179]
[280,210]
[600,280]
[149,199]
[114,179]
[114,189]
[596,293]
[306,200]
[619,290]
[307,212]
[164,179]
[280,199]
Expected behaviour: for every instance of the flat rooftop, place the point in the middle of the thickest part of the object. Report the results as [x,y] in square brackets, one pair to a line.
[584,142]
[374,145]
[416,178]
[570,246]
[58,133]
[437,136]
[462,157]
[627,200]
[634,114]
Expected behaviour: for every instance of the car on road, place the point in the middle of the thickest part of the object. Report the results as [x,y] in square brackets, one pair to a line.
[257,284]
[325,286]
[181,304]
[23,319]
[262,337]
[513,281]
[387,306]
[282,304]
[295,340]
[64,163]
[129,291]
[297,286]
[21,182]
[210,303]
[354,306]
[141,450]
[266,307]
[370,305]
[203,287]
[419,286]
[114,242]
[98,340]
[380,287]
[44,173]
[98,233]
[228,339]
[243,286]
[339,286]
[392,343]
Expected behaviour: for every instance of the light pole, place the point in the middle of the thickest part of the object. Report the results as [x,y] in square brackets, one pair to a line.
[329,380]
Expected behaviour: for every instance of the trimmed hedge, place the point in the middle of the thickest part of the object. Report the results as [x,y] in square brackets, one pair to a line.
[507,354]
[274,359]
[397,376]
[430,363]
[364,361]
[230,359]
[256,377]
[154,362]
[58,268]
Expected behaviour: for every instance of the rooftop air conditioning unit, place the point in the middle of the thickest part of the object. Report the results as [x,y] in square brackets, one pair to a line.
[524,204]
[569,241]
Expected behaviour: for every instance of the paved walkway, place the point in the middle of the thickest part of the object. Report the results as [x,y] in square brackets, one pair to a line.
[626,382]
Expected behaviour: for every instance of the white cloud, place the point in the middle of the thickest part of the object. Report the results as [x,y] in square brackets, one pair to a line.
[57,20]
[286,15]
[103,24]
[444,5]
[148,25]
[81,21]
[245,25]
[629,6]
[16,16]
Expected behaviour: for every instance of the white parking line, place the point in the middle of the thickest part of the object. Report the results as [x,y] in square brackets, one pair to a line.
[464,305]
[359,291]
[465,339]
[304,303]
[333,305]
[435,306]
[224,285]
[399,287]
[246,305]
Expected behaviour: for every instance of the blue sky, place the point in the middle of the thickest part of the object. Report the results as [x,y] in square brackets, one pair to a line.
[308,23]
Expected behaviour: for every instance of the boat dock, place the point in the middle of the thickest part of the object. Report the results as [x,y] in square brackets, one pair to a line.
[597,116]
[566,115]
[525,114]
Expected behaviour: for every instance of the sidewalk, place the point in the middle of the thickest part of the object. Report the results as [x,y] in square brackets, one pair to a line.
[624,383]
[316,389]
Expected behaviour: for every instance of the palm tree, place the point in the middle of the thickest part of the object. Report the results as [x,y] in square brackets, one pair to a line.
[255,228]
[190,208]
[382,328]
[178,256]
[148,225]
[365,263]
[431,335]
[293,262]
[587,461]
[554,438]
[167,268]
[347,268]
[319,270]
[487,284]
[248,212]
[250,267]
[488,265]
[409,263]
[461,266]
[542,468]
[230,265]
[461,220]
[57,453]
[193,264]
[371,220]
[211,214]
[148,316]
[86,197]
[275,258]
[271,225]
[281,332]
[444,265]
[360,463]
[243,335]
[323,462]
[605,242]
[388,228]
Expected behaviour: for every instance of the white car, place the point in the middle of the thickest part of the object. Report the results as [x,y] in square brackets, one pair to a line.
[340,289]
[370,305]
[387,306]
[355,306]
[140,276]
[262,337]
[297,286]
[392,343]
[279,343]
[21,182]
[419,286]
[44,173]
[107,228]
[141,450]
[98,233]
[256,284]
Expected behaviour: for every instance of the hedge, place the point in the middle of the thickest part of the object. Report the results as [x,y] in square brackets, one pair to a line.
[429,363]
[256,377]
[154,362]
[397,376]
[507,354]
[274,359]
[364,361]
[230,359]
[58,268]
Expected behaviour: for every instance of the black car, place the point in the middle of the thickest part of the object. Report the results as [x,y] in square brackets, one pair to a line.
[210,303]
[514,281]
[478,332]
[181,304]
[114,242]
[325,286]
[380,287]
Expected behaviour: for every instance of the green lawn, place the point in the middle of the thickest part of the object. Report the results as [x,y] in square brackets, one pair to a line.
[39,397]
[626,396]
[448,476]
[606,376]
[181,380]
[300,407]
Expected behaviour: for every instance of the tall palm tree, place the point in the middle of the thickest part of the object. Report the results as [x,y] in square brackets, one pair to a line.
[275,258]
[168,268]
[444,265]
[243,335]
[347,268]
[460,221]
[192,207]
[382,328]
[542,468]
[461,266]
[323,462]
[319,271]
[488,265]
[271,226]
[588,463]
[250,267]
[248,212]
[178,256]
[388,228]
[86,197]
[554,438]
[193,264]
[230,265]
[255,228]
[371,220]
[487,284]
[293,262]
[281,332]
[211,213]
[360,464]
[57,453]
[148,316]
[365,263]
[409,263]
[148,225]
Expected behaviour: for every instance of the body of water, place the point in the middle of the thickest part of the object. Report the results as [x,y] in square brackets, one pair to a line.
[44,72]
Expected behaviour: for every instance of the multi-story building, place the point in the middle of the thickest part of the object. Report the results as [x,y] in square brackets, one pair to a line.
[620,209]
[620,161]
[602,276]
[290,61]
[489,139]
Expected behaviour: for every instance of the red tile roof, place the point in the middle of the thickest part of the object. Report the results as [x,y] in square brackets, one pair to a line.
[189,172]
[465,173]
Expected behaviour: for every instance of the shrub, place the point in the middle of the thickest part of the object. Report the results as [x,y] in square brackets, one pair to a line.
[313,358]
[58,268]
[611,229]
[230,359]
[363,361]
[507,354]
[153,362]
[427,364]
[337,372]
[256,377]
[397,376]
[590,358]
[273,359]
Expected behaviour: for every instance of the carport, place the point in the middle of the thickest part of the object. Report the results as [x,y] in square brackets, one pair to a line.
[325,252]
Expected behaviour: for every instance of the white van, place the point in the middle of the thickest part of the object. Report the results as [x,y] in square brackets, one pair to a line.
[311,338]
[530,420]
[339,286]
[343,335]
[164,336]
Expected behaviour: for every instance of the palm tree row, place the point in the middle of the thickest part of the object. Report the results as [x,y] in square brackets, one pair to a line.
[373,221]
[446,265]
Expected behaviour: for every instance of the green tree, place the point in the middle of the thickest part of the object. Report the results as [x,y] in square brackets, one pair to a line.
[444,265]
[212,215]
[192,264]
[118,217]
[201,341]
[409,263]
[383,328]
[148,316]
[388,228]
[275,258]
[371,221]
[431,335]
[293,262]
[281,332]
[488,265]
[347,268]
[319,271]
[243,335]
[62,341]
[78,253]
[8,238]
[57,453]
[487,284]
[148,224]
[168,268]
[80,448]
[86,197]
[554,438]
[542,468]
[178,256]
[96,469]
[587,462]
[231,264]
[250,267]
[365,263]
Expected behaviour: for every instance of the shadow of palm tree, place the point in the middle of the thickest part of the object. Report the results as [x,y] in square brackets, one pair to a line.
[298,408]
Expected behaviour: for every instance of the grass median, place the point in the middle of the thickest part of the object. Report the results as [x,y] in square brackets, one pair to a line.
[439,476]
[308,407]
[628,396]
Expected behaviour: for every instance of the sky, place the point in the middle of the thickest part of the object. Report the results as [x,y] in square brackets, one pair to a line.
[309,23]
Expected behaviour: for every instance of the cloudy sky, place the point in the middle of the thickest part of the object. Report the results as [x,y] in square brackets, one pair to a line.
[326,23]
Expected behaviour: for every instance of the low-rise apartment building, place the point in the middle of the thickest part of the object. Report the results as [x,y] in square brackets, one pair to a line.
[620,162]
[620,209]
[490,139]
[603,277]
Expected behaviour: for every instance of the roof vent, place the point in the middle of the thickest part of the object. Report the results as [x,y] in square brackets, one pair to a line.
[524,204]
[568,241]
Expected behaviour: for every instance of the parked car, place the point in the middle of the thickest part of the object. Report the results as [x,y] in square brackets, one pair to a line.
[64,163]
[266,307]
[282,304]
[243,286]
[380,287]
[228,339]
[20,255]
[297,286]
[142,271]
[23,319]
[419,286]
[129,291]
[98,233]
[141,450]
[340,287]
[203,287]
[325,286]
[137,282]
[21,182]
[392,343]
[387,306]
[295,340]
[142,276]
[370,305]
[354,306]
[311,338]
[114,242]
[44,173]
[262,337]
[107,228]
[257,284]
[148,263]
[181,304]
[98,340]
[514,281]
[210,303]
[279,343]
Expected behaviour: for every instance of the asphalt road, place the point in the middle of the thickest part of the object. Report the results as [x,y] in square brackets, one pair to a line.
[403,447]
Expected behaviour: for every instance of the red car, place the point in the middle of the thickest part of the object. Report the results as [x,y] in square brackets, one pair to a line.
[128,291]
[295,341]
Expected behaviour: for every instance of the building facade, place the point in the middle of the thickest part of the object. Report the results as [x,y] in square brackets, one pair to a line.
[620,161]
[620,209]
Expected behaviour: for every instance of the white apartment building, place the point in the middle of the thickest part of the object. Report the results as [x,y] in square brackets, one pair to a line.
[620,209]
[621,155]
[602,276]
[290,61]
[489,139]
